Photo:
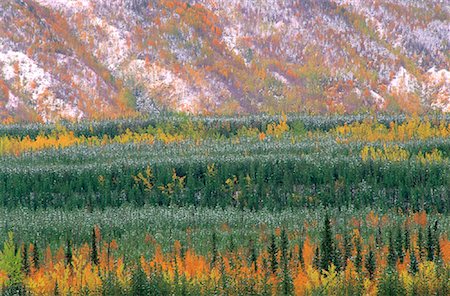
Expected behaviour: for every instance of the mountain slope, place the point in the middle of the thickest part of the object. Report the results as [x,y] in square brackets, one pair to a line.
[79,59]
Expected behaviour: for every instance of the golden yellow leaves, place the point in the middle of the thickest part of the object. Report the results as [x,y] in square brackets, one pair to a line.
[390,153]
[396,153]
[147,180]
[176,185]
[278,129]
[413,128]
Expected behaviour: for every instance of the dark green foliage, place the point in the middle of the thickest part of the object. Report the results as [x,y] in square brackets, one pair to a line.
[430,244]
[286,284]
[316,258]
[300,256]
[68,253]
[273,253]
[327,248]
[94,251]
[35,256]
[370,264]
[392,255]
[399,244]
[421,244]
[413,264]
[25,262]
[347,249]
[214,248]
[358,257]
[390,284]
[139,283]
[253,255]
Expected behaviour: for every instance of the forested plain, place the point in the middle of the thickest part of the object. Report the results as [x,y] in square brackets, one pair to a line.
[242,205]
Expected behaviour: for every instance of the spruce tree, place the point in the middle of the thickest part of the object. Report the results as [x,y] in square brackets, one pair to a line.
[68,254]
[273,252]
[139,282]
[25,263]
[392,256]
[399,244]
[347,249]
[94,251]
[300,255]
[327,245]
[413,264]
[407,245]
[214,248]
[316,259]
[430,244]
[287,285]
[35,257]
[358,257]
[421,244]
[253,255]
[379,238]
[370,264]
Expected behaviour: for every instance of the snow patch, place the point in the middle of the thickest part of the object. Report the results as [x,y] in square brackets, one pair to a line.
[115,48]
[403,82]
[157,78]
[67,5]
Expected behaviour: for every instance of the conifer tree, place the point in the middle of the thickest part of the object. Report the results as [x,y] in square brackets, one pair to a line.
[407,245]
[25,262]
[370,264]
[300,255]
[35,257]
[94,251]
[316,258]
[392,257]
[327,245]
[413,264]
[214,248]
[347,249]
[273,252]
[420,244]
[287,280]
[399,244]
[430,244]
[379,238]
[358,257]
[253,255]
[68,254]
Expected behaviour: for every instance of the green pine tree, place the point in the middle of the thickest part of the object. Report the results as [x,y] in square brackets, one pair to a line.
[430,244]
[214,248]
[358,257]
[399,244]
[35,256]
[25,262]
[273,253]
[68,254]
[326,245]
[94,251]
[420,244]
[370,264]
[413,264]
[392,256]
[287,285]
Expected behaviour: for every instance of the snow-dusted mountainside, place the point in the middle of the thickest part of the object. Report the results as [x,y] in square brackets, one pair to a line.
[77,59]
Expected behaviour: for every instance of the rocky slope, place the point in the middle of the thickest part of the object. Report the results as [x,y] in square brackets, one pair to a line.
[76,59]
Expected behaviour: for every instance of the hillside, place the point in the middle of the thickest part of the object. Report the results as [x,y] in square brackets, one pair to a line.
[75,59]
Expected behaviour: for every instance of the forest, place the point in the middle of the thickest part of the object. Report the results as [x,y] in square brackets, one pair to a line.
[287,204]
